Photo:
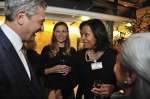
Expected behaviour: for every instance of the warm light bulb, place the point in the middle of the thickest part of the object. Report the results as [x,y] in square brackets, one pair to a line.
[128,24]
[116,33]
[84,18]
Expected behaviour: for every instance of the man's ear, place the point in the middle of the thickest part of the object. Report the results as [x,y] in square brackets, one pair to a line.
[21,17]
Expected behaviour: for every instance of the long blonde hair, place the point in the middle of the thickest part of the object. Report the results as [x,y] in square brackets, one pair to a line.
[54,48]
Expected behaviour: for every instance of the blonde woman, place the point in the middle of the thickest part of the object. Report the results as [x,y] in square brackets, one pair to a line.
[57,60]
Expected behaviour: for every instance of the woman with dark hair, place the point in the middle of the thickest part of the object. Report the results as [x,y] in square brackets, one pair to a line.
[95,65]
[134,66]
[57,62]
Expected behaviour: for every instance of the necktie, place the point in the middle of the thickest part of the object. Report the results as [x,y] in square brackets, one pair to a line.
[24,51]
[26,63]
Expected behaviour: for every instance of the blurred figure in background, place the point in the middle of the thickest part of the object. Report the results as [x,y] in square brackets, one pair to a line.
[57,61]
[134,67]
[23,18]
[95,62]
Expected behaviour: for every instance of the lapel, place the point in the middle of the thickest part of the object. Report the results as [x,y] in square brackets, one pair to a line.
[13,57]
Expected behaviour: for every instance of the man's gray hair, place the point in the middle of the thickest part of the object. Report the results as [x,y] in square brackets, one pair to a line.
[135,54]
[12,7]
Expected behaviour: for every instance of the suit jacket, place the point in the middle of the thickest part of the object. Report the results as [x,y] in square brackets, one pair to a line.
[14,81]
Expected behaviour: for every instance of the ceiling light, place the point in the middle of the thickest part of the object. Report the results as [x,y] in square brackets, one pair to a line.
[84,18]
[128,24]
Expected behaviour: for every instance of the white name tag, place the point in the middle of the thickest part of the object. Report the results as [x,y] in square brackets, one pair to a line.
[96,65]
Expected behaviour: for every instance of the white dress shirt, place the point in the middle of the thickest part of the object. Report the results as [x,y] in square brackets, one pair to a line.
[17,44]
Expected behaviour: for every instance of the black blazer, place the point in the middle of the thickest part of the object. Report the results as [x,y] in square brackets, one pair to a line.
[14,81]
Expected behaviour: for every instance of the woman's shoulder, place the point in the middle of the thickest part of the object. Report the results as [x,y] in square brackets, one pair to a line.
[72,49]
[111,51]
[46,48]
[82,50]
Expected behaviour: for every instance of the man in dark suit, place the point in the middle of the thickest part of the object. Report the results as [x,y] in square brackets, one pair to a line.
[23,19]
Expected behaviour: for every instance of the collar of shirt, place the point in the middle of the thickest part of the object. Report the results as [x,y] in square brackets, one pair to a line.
[13,37]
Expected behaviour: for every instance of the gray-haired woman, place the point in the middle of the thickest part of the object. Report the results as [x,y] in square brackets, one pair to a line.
[134,66]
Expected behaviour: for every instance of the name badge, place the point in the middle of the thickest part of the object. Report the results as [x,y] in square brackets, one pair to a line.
[96,65]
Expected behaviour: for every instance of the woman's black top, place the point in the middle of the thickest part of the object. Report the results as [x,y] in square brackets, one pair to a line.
[87,76]
[57,80]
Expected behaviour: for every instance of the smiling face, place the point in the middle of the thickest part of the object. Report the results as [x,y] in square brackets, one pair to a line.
[61,33]
[30,25]
[87,37]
